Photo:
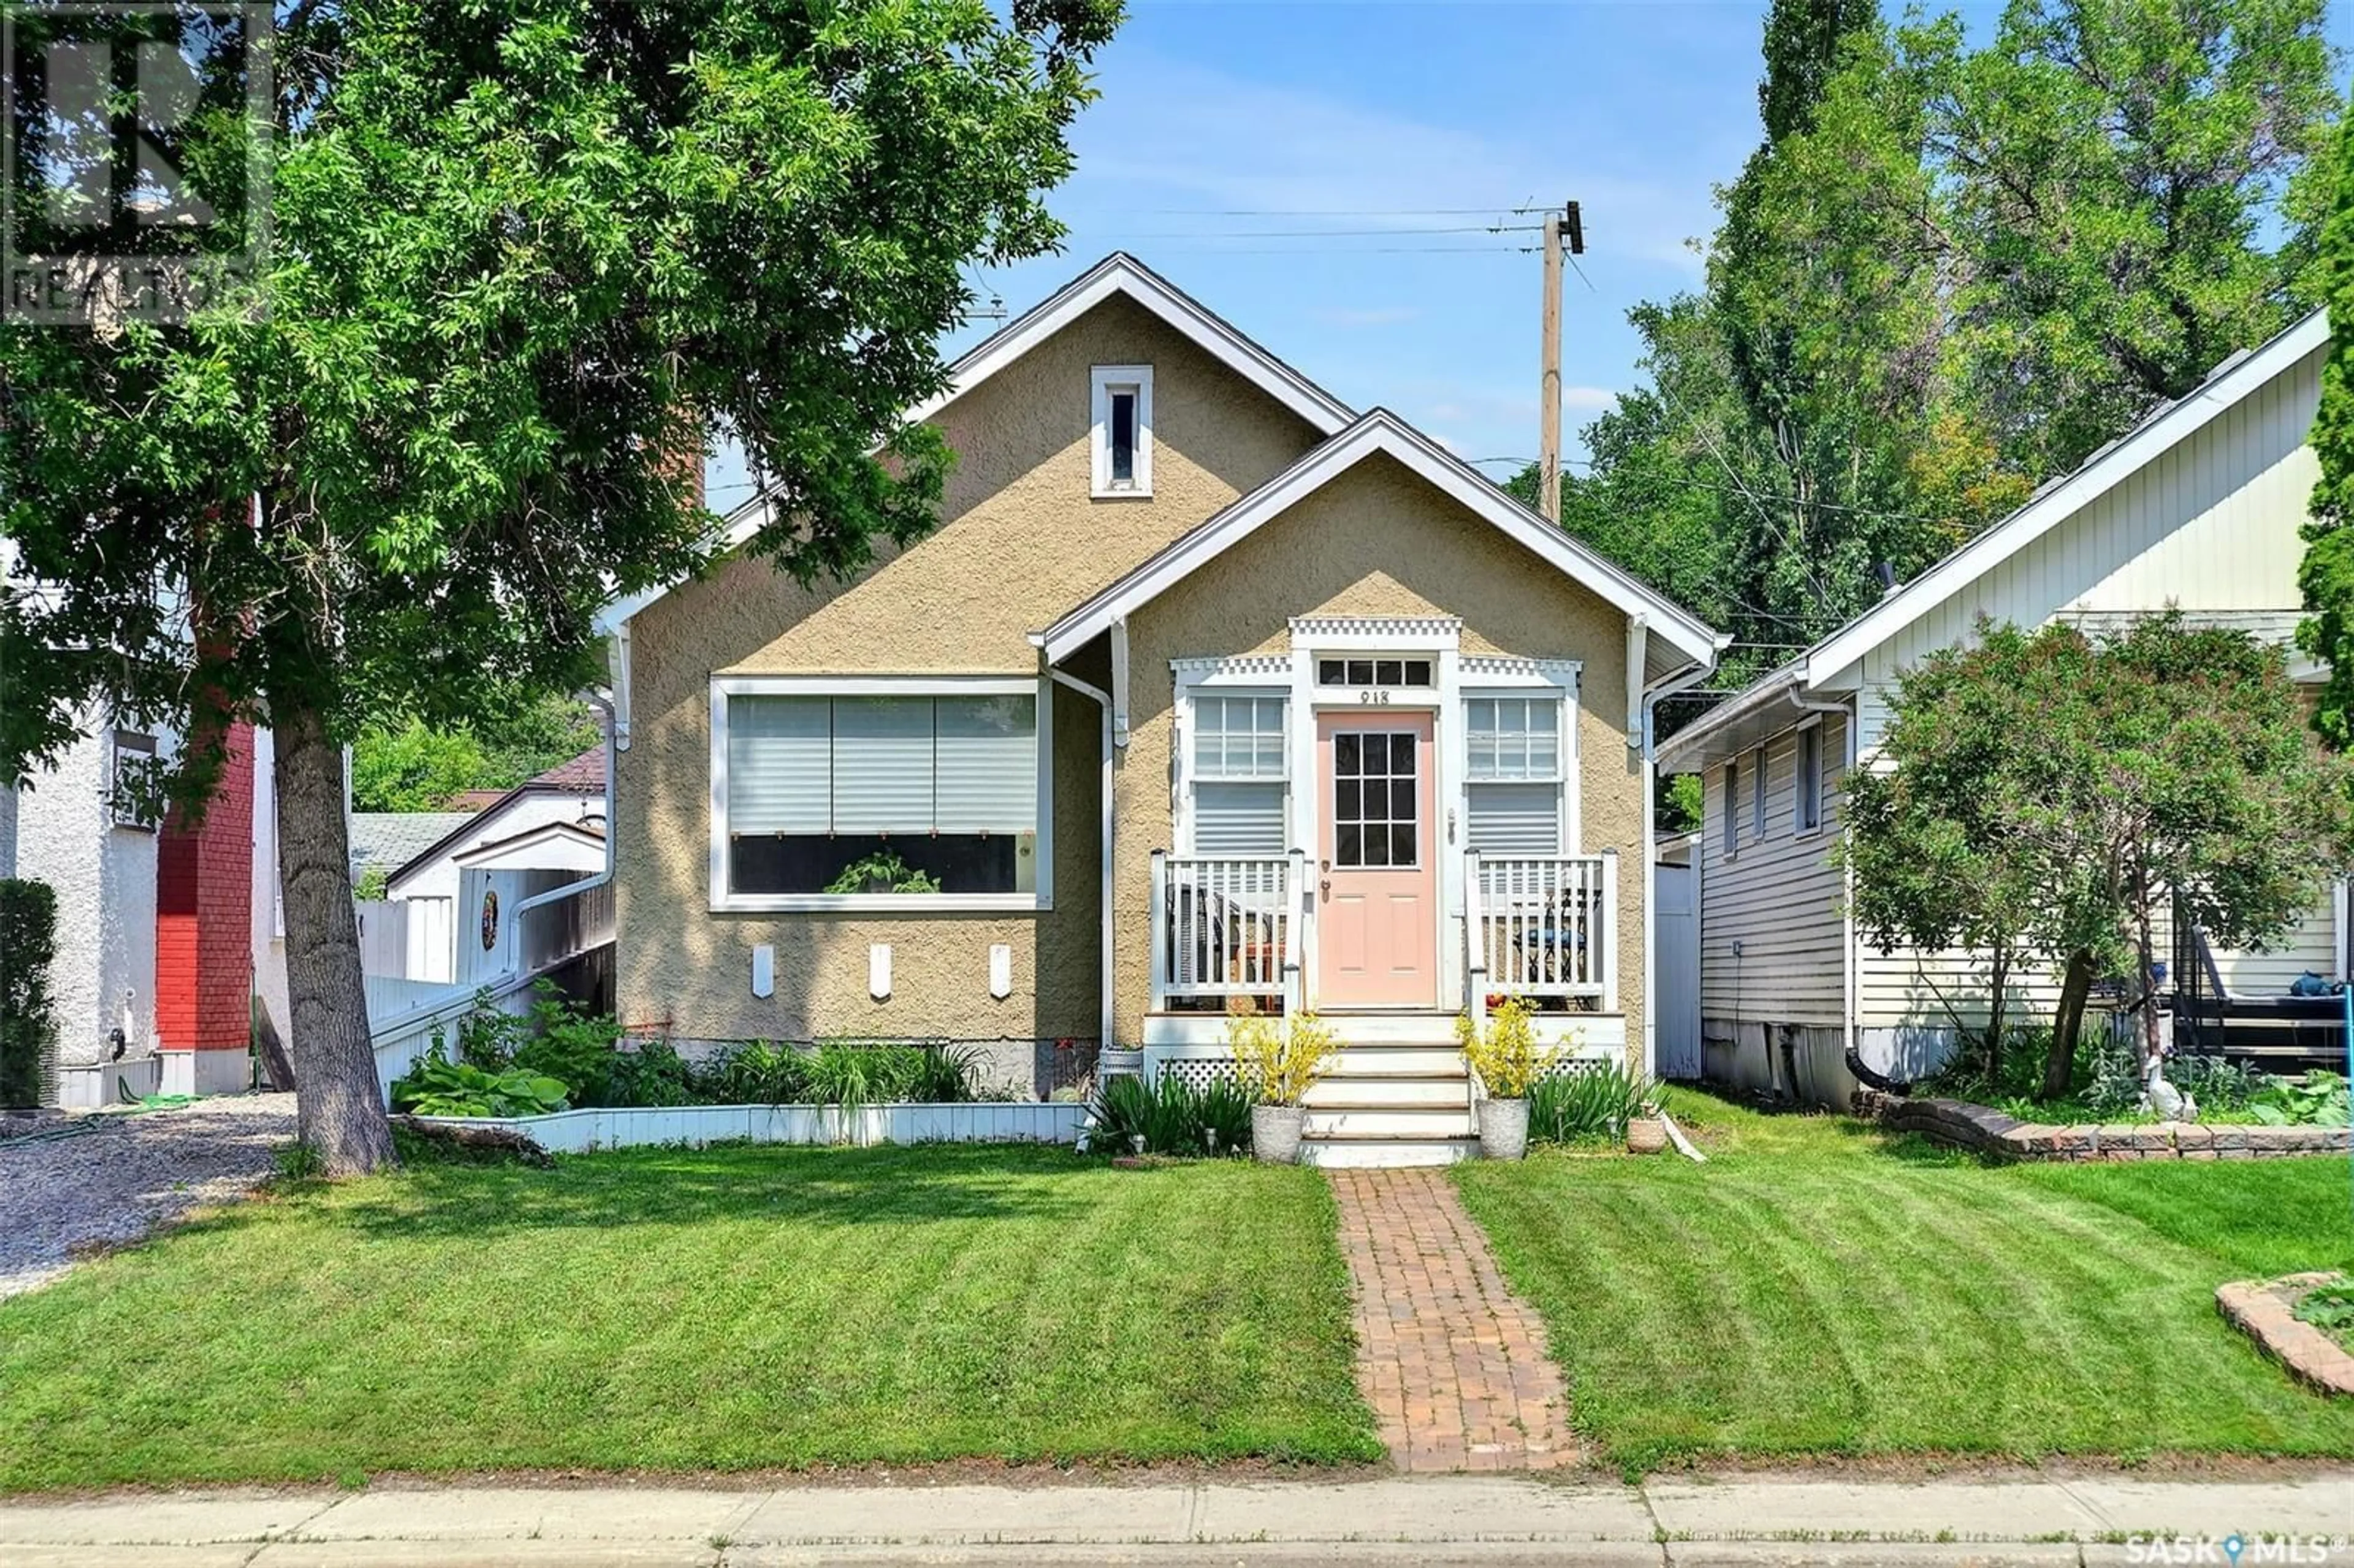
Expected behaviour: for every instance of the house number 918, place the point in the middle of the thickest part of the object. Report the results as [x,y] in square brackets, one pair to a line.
[1373,699]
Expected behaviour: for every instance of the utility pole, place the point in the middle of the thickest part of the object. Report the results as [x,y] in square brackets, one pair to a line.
[1565,227]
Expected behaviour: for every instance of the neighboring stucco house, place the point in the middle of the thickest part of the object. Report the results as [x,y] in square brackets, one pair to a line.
[2197,506]
[1206,686]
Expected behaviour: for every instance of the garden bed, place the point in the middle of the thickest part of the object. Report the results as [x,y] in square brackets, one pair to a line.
[631,1127]
[2267,1310]
[1958,1124]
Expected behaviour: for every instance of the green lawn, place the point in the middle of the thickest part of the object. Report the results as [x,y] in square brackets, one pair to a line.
[720,1309]
[1818,1288]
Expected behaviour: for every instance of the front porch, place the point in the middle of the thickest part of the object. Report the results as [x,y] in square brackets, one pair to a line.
[1231,931]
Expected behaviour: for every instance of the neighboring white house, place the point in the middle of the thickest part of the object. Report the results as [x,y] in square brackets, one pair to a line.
[2197,506]
[441,866]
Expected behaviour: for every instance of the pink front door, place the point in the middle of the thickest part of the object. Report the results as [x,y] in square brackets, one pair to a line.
[1377,907]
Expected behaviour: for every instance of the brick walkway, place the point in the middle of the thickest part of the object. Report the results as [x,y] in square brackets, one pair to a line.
[1452,1363]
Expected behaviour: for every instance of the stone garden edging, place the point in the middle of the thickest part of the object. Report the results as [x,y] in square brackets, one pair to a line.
[2265,1310]
[1985,1130]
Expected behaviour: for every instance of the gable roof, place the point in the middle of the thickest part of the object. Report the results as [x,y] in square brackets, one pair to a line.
[2159,432]
[583,775]
[1118,274]
[1383,432]
[588,834]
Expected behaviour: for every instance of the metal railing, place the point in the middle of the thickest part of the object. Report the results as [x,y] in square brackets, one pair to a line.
[1542,926]
[1226,926]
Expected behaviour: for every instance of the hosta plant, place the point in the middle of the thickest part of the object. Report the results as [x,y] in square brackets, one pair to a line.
[439,1086]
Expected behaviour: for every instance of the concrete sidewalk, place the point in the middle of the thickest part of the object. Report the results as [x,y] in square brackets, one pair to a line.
[1665,1523]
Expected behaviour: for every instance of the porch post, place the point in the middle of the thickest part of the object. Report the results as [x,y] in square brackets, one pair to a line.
[1475,945]
[1610,930]
[1159,928]
[1296,929]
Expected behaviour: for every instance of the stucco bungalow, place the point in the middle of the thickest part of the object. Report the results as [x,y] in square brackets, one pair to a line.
[1207,686]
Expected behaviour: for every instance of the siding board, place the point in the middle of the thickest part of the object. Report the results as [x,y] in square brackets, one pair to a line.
[1779,897]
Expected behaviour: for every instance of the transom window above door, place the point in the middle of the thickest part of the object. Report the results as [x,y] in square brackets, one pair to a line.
[1374,670]
[1376,814]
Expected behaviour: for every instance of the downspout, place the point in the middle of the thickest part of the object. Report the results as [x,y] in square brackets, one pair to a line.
[1646,738]
[612,834]
[1851,960]
[1102,699]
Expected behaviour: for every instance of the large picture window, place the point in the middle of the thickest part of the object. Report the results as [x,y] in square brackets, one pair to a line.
[1238,775]
[1513,787]
[877,794]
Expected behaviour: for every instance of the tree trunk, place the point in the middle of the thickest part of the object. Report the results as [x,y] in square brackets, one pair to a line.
[339,1105]
[2067,1025]
[2153,1049]
[2001,977]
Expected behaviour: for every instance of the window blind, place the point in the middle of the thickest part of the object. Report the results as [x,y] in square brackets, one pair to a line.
[779,765]
[1238,818]
[1515,819]
[986,765]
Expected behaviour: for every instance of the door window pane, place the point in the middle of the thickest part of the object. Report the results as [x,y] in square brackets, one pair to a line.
[1374,797]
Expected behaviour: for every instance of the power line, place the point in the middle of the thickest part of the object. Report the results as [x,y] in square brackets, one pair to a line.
[1333,233]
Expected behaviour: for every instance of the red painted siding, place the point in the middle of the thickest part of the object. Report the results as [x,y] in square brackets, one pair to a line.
[203,916]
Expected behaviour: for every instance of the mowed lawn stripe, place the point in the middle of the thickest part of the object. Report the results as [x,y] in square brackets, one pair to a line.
[722,1308]
[1817,1289]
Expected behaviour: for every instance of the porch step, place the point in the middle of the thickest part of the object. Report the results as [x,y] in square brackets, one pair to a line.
[1356,1060]
[1347,1121]
[1436,1090]
[1418,1027]
[1362,1152]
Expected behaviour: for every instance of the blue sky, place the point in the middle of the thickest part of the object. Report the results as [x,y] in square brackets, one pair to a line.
[1245,148]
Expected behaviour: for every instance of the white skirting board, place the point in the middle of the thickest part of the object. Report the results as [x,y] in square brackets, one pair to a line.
[578,1131]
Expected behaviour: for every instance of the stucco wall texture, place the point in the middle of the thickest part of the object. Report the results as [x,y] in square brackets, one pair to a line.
[104,971]
[1378,541]
[1020,541]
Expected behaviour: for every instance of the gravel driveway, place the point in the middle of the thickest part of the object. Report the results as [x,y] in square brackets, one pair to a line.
[116,1177]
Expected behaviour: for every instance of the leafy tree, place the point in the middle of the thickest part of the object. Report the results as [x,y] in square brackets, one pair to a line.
[418,767]
[1947,274]
[2326,574]
[2131,199]
[530,254]
[2064,798]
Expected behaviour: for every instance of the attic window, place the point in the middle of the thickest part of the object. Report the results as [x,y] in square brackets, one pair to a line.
[1122,430]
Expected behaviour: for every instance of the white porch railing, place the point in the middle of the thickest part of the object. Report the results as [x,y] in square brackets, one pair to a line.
[1542,926]
[1226,926]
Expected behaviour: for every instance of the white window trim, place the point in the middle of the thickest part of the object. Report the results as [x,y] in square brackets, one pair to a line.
[1798,828]
[1102,380]
[1761,809]
[725,902]
[1565,750]
[1262,676]
[1728,844]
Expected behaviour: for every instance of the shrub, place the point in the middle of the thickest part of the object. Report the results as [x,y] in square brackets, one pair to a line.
[1505,1056]
[2319,1100]
[439,1086]
[855,1074]
[1592,1103]
[1278,1066]
[559,1041]
[757,1073]
[28,930]
[654,1074]
[1170,1116]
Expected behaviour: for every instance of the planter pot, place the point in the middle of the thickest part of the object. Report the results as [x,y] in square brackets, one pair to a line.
[1115,1062]
[1503,1129]
[1275,1134]
[1645,1135]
